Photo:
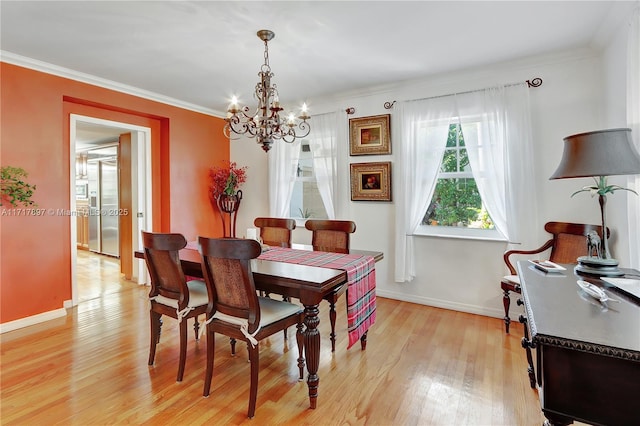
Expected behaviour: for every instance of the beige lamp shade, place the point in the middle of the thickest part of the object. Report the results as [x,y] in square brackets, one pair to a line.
[600,153]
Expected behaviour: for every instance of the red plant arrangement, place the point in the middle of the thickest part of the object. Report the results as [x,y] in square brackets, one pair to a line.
[226,179]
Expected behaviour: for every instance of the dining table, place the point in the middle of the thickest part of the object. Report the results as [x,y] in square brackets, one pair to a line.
[309,284]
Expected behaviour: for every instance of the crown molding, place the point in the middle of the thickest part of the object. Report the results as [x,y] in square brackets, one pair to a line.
[45,67]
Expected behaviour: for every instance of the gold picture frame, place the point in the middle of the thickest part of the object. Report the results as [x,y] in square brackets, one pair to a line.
[371,181]
[370,135]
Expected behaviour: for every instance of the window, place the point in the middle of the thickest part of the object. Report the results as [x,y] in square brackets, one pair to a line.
[456,208]
[306,201]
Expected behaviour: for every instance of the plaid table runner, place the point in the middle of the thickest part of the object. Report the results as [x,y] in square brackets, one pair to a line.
[361,282]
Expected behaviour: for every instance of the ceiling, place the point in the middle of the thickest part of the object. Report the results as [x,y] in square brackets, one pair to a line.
[88,135]
[203,52]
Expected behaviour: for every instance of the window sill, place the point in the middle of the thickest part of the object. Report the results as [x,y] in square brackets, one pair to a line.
[460,233]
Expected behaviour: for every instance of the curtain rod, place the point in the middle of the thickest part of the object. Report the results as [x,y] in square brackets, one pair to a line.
[535,82]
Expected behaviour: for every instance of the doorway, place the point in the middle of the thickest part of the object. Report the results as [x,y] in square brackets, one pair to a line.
[94,134]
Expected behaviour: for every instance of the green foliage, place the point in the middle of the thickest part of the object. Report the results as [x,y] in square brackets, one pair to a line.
[456,201]
[14,188]
[226,179]
[601,188]
[305,214]
[483,219]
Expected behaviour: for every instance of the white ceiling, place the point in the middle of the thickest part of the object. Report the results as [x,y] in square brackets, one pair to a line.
[88,135]
[202,52]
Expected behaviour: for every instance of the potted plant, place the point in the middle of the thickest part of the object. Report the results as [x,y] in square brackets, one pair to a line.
[225,193]
[13,187]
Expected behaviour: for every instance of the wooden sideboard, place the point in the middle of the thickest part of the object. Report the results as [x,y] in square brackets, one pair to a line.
[586,355]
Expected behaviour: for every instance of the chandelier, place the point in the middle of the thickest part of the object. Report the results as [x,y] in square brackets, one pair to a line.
[265,124]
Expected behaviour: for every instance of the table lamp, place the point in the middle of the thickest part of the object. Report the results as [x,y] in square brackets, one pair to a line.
[599,154]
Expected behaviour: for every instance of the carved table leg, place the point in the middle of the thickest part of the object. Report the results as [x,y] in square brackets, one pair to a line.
[312,350]
[196,327]
[506,301]
[332,319]
[232,342]
[300,341]
[363,340]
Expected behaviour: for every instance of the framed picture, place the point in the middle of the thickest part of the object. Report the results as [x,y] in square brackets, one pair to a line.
[371,181]
[369,135]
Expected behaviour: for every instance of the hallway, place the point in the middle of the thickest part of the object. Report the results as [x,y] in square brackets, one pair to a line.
[98,275]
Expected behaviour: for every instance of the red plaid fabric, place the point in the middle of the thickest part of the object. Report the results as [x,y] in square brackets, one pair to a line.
[361,282]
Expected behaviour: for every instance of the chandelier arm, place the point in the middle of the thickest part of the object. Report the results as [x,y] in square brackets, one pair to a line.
[291,135]
[236,125]
[265,124]
[305,127]
[245,113]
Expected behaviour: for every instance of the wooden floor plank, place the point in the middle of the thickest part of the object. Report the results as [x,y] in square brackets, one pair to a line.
[422,366]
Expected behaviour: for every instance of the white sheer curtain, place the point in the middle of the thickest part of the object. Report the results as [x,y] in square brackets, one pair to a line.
[633,121]
[323,142]
[283,165]
[497,132]
[423,127]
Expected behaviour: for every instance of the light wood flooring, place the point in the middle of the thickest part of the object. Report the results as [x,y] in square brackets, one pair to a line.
[422,366]
[98,275]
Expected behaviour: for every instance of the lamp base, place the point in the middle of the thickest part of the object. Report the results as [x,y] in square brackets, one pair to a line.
[598,267]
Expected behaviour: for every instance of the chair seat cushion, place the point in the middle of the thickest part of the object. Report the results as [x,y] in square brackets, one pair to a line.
[512,278]
[197,295]
[270,311]
[274,310]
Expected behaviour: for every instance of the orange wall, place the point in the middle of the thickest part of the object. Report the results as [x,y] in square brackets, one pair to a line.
[35,251]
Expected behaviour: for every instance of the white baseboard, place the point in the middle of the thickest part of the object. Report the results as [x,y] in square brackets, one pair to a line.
[32,320]
[445,304]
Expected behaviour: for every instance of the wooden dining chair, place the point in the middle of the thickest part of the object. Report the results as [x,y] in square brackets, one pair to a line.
[275,231]
[236,310]
[567,243]
[171,294]
[332,236]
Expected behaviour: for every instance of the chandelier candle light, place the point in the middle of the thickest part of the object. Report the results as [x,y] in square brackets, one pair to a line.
[265,124]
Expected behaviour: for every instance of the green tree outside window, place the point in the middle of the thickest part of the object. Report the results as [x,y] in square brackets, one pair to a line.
[456,200]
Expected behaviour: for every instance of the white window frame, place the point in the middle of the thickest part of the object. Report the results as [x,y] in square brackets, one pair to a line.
[302,179]
[454,231]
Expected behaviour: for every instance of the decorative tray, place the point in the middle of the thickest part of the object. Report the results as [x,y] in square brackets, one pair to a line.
[547,266]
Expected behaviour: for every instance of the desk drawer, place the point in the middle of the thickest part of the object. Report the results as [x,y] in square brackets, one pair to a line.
[586,385]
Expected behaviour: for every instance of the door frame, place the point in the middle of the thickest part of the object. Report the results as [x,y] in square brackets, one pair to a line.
[141,168]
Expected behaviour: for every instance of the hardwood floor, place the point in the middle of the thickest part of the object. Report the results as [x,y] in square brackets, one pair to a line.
[98,275]
[422,366]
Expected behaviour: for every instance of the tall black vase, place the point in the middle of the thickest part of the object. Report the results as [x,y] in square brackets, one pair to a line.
[228,206]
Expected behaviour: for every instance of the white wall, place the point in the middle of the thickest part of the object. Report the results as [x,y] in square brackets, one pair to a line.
[460,274]
[614,66]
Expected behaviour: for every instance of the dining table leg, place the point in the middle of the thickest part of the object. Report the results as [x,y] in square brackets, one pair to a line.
[312,350]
